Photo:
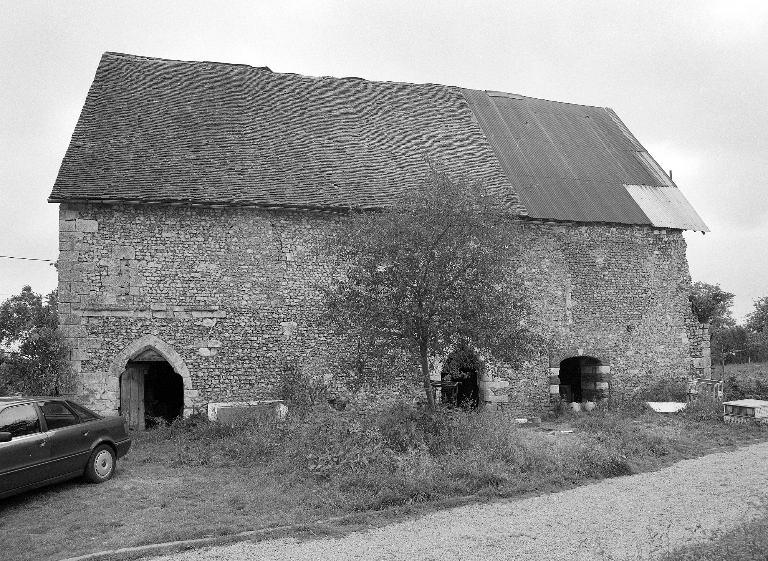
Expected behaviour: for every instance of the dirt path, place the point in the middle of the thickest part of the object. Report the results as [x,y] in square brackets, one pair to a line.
[623,518]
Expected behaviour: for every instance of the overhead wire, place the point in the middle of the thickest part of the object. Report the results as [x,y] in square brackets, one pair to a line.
[49,261]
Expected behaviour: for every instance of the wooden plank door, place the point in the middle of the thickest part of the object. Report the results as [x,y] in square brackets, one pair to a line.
[132,395]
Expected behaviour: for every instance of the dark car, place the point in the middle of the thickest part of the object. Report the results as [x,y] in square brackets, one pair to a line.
[44,440]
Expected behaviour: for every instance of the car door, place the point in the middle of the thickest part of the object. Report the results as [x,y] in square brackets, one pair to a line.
[69,439]
[23,460]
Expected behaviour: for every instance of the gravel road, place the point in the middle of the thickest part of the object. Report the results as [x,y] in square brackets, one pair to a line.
[631,517]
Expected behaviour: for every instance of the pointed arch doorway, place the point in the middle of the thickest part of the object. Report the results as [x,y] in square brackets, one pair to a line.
[150,391]
[154,383]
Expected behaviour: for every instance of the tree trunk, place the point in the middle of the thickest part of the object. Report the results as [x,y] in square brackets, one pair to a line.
[423,355]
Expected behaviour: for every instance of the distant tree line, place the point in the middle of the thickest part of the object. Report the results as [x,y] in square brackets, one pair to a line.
[731,342]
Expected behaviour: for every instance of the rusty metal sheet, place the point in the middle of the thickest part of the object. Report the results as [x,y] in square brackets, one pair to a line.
[666,207]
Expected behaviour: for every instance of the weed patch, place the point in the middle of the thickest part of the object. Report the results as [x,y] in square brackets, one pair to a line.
[196,478]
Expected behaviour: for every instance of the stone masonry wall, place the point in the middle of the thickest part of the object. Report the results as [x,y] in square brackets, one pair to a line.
[233,293]
[615,293]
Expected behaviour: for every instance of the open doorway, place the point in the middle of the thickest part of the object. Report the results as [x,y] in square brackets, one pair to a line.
[150,392]
[462,368]
[577,378]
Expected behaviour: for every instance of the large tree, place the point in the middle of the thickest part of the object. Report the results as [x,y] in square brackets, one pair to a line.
[32,353]
[757,326]
[428,274]
[711,304]
[757,320]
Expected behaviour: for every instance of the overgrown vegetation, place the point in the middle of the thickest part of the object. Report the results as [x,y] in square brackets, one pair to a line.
[33,358]
[428,274]
[746,542]
[746,381]
[196,478]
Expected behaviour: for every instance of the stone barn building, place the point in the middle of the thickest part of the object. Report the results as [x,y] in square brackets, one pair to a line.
[197,200]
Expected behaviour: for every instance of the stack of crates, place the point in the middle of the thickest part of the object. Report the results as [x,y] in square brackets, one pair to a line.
[745,410]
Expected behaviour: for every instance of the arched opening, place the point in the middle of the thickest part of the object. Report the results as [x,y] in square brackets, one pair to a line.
[459,377]
[578,378]
[151,391]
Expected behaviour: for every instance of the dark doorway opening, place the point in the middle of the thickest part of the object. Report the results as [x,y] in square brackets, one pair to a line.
[150,392]
[463,368]
[163,393]
[575,376]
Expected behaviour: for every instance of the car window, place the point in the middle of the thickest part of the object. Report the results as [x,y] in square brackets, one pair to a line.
[19,420]
[57,415]
[84,413]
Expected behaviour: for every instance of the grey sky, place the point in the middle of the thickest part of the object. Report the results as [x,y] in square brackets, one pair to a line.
[690,79]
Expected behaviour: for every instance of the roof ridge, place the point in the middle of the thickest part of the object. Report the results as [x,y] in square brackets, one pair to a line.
[497,93]
[492,93]
[115,54]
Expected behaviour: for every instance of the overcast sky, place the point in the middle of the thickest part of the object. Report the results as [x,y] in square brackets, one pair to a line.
[690,79]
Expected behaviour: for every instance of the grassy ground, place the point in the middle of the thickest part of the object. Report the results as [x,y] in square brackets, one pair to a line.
[747,542]
[196,479]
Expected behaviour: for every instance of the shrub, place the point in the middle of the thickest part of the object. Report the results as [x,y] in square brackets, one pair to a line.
[299,388]
[745,387]
[703,408]
[668,389]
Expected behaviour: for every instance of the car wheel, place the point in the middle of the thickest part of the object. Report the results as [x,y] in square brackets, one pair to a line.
[101,464]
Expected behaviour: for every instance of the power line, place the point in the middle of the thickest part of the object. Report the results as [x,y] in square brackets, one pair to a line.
[51,261]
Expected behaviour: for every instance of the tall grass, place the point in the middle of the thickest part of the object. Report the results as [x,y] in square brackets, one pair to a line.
[401,453]
[746,542]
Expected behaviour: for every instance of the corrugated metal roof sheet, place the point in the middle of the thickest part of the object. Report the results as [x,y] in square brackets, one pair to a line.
[571,162]
[666,207]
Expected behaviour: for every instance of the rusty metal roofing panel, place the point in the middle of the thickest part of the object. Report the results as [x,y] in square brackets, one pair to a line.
[666,207]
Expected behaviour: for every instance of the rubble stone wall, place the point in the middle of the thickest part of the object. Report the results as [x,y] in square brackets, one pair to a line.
[235,293]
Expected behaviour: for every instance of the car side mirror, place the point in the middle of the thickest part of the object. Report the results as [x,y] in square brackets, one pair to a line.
[5,437]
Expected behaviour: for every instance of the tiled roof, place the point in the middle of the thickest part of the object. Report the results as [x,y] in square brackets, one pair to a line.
[155,130]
